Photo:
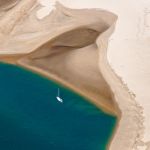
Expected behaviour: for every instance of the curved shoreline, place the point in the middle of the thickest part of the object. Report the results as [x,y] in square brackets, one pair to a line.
[130,127]
[91,128]
[70,87]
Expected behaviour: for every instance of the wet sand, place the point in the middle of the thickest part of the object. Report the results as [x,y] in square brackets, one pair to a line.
[78,69]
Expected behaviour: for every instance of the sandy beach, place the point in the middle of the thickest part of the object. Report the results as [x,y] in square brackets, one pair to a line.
[74,53]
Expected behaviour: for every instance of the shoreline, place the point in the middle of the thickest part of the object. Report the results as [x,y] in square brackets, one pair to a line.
[70,86]
[63,84]
[96,75]
[76,102]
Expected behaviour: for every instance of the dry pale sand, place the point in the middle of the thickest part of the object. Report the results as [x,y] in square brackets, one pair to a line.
[70,46]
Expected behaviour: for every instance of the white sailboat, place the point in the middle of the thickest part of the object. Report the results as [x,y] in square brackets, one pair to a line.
[58,97]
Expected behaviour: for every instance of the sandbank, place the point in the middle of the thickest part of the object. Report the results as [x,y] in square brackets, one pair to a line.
[74,53]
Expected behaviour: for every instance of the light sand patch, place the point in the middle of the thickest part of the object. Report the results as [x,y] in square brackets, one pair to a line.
[60,47]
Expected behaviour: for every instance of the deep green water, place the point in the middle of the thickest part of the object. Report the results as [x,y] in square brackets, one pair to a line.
[32,119]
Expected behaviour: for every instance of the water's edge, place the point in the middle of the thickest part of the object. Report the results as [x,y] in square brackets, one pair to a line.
[46,79]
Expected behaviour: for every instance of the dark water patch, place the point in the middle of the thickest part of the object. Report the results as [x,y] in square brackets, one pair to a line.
[32,119]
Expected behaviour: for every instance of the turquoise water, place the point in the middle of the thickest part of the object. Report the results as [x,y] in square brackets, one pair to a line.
[32,119]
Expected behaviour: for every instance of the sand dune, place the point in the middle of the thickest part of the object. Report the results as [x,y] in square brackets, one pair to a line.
[70,46]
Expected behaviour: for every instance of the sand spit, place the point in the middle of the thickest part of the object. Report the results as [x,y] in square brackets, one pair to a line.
[70,46]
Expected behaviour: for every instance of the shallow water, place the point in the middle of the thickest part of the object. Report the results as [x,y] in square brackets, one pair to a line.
[32,119]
